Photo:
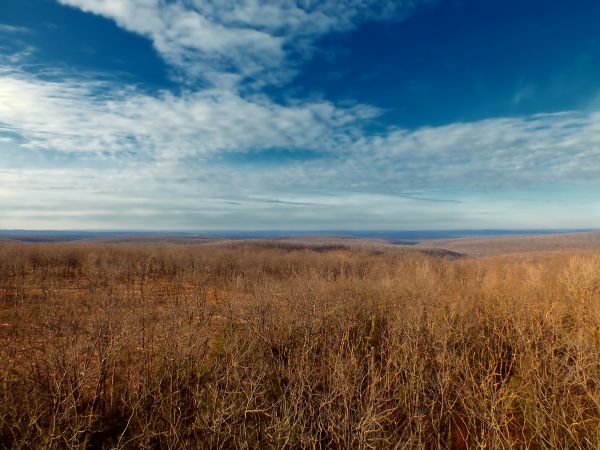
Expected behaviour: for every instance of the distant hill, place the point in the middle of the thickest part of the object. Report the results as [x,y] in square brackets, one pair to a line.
[405,237]
[452,244]
[502,245]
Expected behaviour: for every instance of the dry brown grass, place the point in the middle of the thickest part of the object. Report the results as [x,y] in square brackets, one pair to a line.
[271,346]
[504,245]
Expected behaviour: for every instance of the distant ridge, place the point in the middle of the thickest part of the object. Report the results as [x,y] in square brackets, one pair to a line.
[406,237]
[522,243]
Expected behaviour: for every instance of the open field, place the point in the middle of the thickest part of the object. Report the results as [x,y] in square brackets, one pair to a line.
[296,345]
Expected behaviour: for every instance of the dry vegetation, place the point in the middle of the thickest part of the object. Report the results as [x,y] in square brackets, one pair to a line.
[503,245]
[273,346]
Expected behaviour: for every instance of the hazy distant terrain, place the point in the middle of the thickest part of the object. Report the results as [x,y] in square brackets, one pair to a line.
[502,245]
[451,243]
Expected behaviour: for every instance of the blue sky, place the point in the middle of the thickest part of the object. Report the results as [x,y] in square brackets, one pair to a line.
[263,114]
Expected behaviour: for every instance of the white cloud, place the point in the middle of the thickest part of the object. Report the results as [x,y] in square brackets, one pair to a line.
[493,153]
[139,198]
[197,128]
[358,181]
[4,28]
[224,41]
[80,116]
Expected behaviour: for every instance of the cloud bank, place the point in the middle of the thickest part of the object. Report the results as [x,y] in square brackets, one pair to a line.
[99,120]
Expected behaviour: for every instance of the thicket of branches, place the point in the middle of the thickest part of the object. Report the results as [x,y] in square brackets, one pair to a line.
[263,345]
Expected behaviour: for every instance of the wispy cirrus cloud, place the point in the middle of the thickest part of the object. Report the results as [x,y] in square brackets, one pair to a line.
[11,29]
[197,128]
[83,116]
[227,41]
[138,198]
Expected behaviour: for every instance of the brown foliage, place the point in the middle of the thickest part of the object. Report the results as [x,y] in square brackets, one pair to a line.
[264,345]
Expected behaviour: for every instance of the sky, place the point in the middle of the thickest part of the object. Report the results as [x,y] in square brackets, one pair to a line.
[200,115]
